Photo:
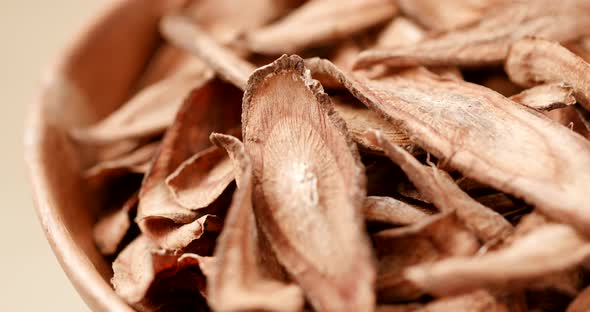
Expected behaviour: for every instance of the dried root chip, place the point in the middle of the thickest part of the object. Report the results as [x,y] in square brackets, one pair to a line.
[446,15]
[440,189]
[236,283]
[147,114]
[432,239]
[398,308]
[534,61]
[392,211]
[401,31]
[547,249]
[572,117]
[309,186]
[110,231]
[485,136]
[319,22]
[201,179]
[150,278]
[582,302]
[213,107]
[488,41]
[477,301]
[546,97]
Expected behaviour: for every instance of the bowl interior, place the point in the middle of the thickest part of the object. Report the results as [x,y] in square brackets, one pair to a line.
[94,76]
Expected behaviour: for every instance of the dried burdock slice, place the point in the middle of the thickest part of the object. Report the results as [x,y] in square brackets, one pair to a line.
[477,301]
[236,283]
[147,114]
[482,134]
[571,117]
[392,211]
[183,32]
[534,61]
[487,42]
[213,107]
[547,249]
[309,186]
[546,97]
[167,61]
[442,191]
[434,238]
[137,161]
[401,31]
[201,179]
[581,303]
[410,307]
[148,277]
[319,22]
[111,229]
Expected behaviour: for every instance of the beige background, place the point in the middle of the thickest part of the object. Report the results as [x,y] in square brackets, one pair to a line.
[31,33]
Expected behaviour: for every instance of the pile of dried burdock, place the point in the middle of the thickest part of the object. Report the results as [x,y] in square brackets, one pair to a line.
[419,155]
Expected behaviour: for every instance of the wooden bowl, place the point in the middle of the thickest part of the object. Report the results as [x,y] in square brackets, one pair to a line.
[91,79]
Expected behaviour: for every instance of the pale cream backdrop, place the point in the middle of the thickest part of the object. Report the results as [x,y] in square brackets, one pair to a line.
[32,32]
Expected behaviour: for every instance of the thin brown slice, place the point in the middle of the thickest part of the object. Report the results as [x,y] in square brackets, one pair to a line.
[213,107]
[309,186]
[201,179]
[581,303]
[546,249]
[148,113]
[150,278]
[546,97]
[534,61]
[485,136]
[236,283]
[572,117]
[392,211]
[442,191]
[183,32]
[477,301]
[488,41]
[319,22]
[401,31]
[410,307]
[111,229]
[431,239]
[446,15]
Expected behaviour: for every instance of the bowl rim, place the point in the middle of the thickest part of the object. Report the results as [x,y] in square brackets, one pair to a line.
[90,285]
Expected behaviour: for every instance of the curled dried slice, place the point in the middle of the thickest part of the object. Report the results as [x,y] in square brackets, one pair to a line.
[236,283]
[485,136]
[392,211]
[111,229]
[547,249]
[410,307]
[309,186]
[401,31]
[477,301]
[183,32]
[434,238]
[581,303]
[446,15]
[533,61]
[147,114]
[150,278]
[213,107]
[440,189]
[201,179]
[488,41]
[319,22]
[546,97]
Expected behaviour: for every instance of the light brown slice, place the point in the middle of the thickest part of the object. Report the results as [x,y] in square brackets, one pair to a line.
[581,303]
[201,179]
[392,211]
[401,31]
[442,191]
[236,283]
[546,97]
[109,232]
[434,238]
[477,301]
[319,22]
[137,161]
[410,307]
[147,114]
[485,136]
[487,42]
[572,117]
[535,61]
[149,278]
[213,107]
[446,15]
[546,249]
[309,186]
[183,32]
